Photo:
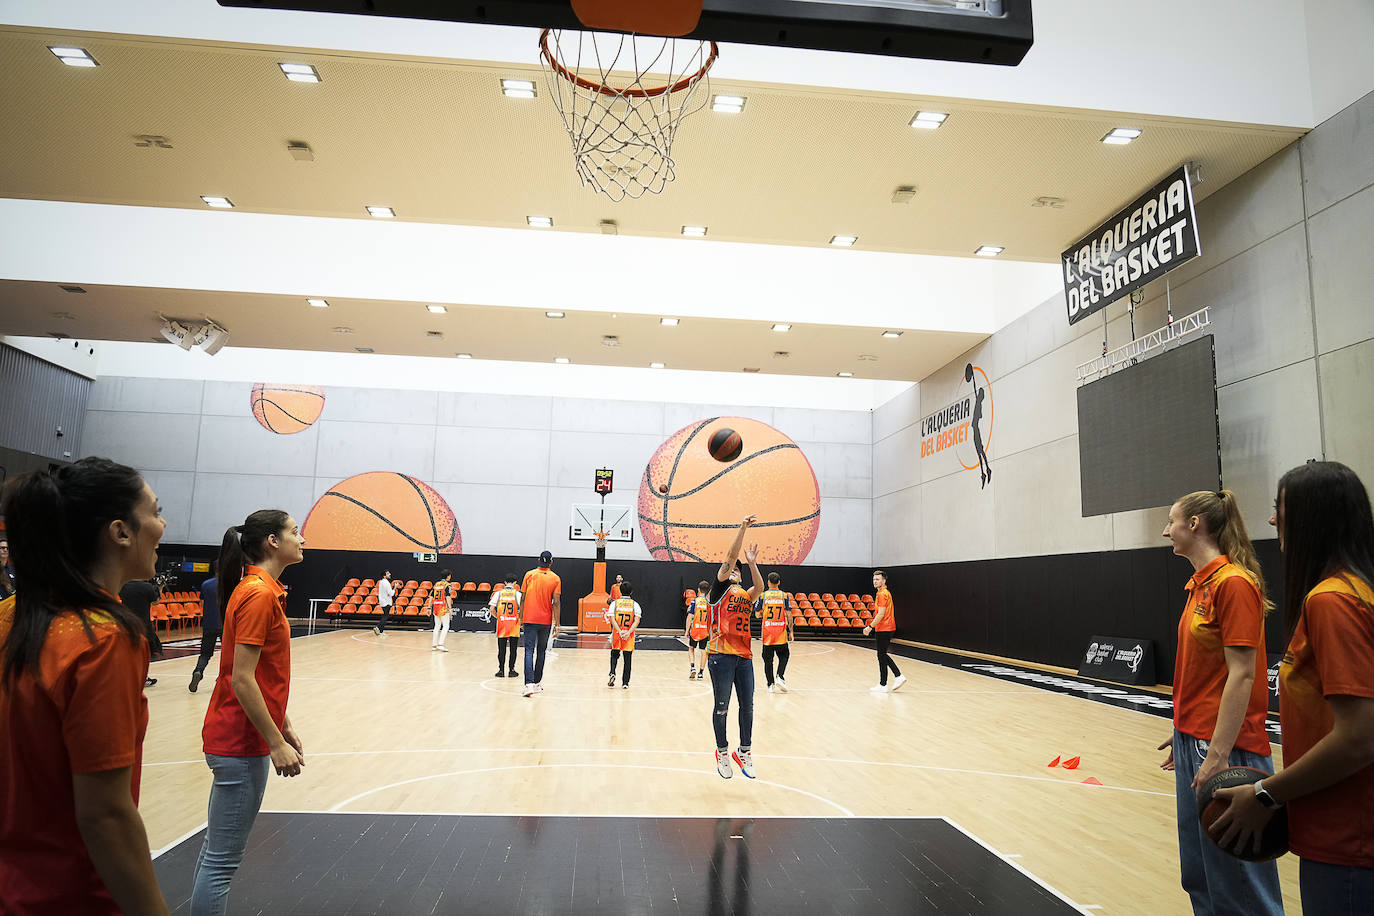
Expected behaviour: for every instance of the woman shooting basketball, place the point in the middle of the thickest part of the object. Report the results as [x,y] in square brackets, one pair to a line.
[731,660]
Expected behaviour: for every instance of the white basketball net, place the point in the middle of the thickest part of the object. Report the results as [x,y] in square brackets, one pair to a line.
[622,98]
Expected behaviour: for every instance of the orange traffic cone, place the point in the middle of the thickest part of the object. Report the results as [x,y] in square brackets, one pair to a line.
[1054,762]
[1091,781]
[1071,763]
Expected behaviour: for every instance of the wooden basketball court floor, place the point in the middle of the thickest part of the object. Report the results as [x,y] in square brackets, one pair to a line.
[393,728]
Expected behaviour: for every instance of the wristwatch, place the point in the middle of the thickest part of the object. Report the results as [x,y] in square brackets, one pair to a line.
[1264,797]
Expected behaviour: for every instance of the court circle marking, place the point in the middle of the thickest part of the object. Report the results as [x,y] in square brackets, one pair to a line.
[599,766]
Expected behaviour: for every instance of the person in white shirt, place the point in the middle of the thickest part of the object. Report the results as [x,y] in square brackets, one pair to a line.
[624,614]
[386,594]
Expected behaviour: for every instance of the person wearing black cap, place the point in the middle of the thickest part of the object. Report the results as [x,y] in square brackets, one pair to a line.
[541,591]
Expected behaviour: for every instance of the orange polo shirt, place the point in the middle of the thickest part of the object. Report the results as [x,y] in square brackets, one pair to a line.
[1331,654]
[256,616]
[83,712]
[1224,608]
[540,586]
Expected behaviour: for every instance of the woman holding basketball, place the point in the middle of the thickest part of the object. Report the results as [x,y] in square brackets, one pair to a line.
[72,710]
[1221,696]
[1326,694]
[440,604]
[247,727]
[731,655]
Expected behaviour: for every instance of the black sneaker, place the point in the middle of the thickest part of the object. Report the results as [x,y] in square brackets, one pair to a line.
[511,673]
[195,680]
[150,682]
[500,673]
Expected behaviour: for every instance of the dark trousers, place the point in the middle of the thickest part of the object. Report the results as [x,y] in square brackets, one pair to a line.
[536,643]
[732,672]
[386,615]
[783,653]
[208,637]
[629,658]
[884,660]
[502,643]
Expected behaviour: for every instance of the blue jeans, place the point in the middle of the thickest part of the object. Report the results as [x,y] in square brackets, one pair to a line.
[1336,890]
[536,640]
[235,798]
[735,671]
[1218,883]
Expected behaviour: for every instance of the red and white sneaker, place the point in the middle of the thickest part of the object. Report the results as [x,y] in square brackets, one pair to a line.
[723,764]
[745,761]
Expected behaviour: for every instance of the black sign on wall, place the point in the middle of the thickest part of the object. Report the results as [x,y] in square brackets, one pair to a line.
[1150,237]
[1122,659]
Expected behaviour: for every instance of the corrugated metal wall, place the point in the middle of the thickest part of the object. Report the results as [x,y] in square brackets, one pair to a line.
[36,398]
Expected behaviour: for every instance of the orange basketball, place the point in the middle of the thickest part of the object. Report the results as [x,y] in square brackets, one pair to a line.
[690,503]
[386,511]
[286,409]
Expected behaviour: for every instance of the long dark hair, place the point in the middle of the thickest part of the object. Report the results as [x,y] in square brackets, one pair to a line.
[1327,529]
[55,521]
[243,544]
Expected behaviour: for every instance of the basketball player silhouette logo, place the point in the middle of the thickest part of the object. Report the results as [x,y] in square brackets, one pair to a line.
[984,466]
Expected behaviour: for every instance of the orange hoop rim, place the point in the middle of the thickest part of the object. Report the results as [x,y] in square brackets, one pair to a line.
[603,89]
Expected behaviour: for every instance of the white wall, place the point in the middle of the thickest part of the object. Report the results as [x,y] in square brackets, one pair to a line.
[1339,35]
[1286,272]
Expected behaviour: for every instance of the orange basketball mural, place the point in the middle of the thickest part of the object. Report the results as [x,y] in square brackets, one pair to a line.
[286,409]
[690,503]
[385,511]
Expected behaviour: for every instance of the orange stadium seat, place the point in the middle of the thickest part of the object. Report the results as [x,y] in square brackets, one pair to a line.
[484,586]
[814,597]
[469,586]
[368,583]
[813,621]
[828,622]
[353,582]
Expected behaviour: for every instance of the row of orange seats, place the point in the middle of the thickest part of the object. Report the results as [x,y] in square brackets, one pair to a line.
[181,613]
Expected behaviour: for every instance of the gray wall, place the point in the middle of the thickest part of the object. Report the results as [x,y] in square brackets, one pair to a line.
[1288,273]
[510,466]
[39,398]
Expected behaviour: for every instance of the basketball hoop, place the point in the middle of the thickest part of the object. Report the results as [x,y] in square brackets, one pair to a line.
[601,539]
[621,98]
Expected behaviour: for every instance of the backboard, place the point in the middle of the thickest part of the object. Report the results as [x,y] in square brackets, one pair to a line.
[972,31]
[617,521]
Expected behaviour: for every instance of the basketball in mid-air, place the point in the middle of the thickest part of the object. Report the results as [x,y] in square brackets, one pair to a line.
[383,511]
[286,409]
[691,502]
[725,445]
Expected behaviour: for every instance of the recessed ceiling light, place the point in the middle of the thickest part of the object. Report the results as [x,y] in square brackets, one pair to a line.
[669,322]
[892,334]
[435,335]
[1120,136]
[843,241]
[729,104]
[365,349]
[219,203]
[554,315]
[463,355]
[782,327]
[518,89]
[317,303]
[540,222]
[928,120]
[71,289]
[381,212]
[65,316]
[694,232]
[343,330]
[750,369]
[436,309]
[73,57]
[300,73]
[845,374]
[655,365]
[988,251]
[561,360]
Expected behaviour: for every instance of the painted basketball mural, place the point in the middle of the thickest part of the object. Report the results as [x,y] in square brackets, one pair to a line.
[286,409]
[383,511]
[690,502]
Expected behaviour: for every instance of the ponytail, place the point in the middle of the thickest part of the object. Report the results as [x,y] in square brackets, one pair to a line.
[1220,516]
[244,544]
[55,522]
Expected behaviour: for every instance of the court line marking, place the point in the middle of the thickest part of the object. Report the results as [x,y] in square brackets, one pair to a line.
[607,697]
[699,752]
[179,840]
[957,826]
[576,766]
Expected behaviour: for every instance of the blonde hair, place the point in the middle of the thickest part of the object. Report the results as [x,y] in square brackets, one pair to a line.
[1220,515]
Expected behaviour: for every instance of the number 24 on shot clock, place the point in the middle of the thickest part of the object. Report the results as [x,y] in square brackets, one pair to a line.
[604,480]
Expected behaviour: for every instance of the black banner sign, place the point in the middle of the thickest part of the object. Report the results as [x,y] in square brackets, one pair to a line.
[1146,240]
[1120,659]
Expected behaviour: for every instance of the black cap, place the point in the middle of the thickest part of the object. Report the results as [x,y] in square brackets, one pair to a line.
[545,558]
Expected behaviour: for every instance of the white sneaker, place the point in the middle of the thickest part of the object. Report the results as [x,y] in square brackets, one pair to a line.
[610,681]
[878,688]
[897,684]
[442,648]
[384,634]
[538,688]
[723,764]
[782,685]
[746,762]
[528,691]
[691,676]
[624,686]
[377,630]
[772,689]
